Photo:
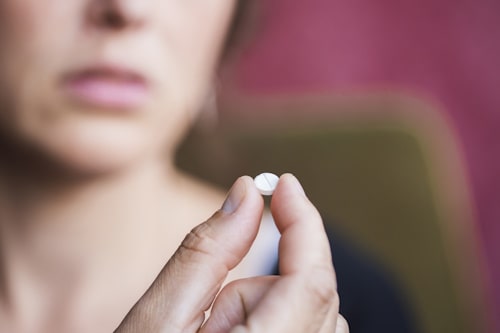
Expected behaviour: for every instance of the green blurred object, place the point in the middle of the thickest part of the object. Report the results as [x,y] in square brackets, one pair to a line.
[374,177]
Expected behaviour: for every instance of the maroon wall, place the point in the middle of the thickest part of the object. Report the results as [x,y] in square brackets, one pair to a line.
[446,49]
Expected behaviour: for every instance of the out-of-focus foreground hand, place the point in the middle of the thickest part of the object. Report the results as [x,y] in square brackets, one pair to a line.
[302,299]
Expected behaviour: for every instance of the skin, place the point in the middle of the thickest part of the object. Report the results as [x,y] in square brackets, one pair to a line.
[92,208]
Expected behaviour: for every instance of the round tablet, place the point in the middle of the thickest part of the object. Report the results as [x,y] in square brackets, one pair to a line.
[266,183]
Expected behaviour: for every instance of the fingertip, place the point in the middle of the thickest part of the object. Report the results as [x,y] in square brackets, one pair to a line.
[250,185]
[291,183]
[252,191]
[234,197]
[248,181]
[289,191]
[291,208]
[296,183]
[243,190]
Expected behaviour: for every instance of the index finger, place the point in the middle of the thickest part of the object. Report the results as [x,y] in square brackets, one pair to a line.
[304,244]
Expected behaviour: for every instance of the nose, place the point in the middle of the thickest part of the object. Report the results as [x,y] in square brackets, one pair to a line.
[117,14]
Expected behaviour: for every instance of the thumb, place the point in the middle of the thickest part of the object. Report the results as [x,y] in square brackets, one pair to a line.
[189,282]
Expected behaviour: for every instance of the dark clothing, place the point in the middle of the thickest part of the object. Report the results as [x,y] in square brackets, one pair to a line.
[369,300]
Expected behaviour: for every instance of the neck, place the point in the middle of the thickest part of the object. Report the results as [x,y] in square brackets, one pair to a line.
[74,239]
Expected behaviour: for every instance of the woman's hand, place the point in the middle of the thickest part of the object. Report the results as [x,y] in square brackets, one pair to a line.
[302,299]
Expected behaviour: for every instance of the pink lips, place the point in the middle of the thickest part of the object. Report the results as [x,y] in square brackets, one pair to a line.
[107,87]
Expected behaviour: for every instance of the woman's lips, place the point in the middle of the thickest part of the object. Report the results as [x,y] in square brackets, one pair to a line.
[107,87]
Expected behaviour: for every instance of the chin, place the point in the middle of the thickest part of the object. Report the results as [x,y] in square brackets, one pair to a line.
[103,154]
[87,160]
[97,149]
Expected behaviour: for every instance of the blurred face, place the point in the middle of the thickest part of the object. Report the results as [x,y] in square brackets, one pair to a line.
[99,84]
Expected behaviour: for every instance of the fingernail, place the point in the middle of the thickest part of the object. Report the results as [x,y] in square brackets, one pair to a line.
[234,197]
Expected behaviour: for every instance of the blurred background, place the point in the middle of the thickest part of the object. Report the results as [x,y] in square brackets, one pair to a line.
[388,112]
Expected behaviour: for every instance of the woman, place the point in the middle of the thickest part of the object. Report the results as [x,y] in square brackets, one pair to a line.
[96,95]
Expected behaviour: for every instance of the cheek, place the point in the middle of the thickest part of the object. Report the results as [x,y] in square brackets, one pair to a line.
[30,55]
[97,144]
[38,32]
[194,32]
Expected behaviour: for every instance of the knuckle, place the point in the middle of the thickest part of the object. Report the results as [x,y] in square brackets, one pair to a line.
[323,290]
[325,296]
[198,242]
[201,245]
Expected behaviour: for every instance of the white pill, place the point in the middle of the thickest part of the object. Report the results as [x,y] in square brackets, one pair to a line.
[266,183]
